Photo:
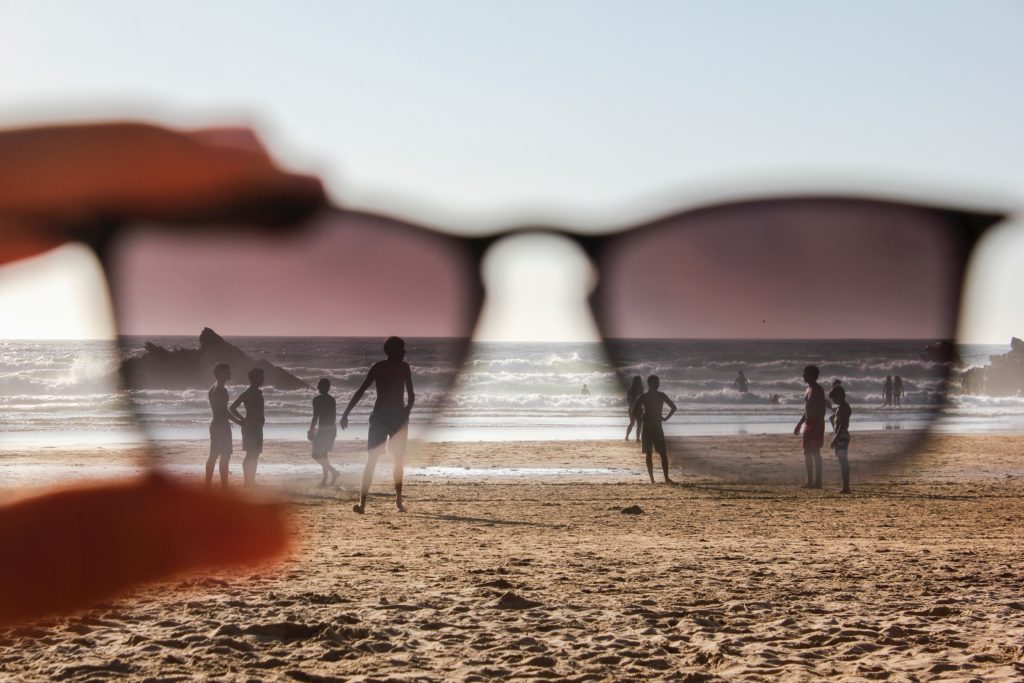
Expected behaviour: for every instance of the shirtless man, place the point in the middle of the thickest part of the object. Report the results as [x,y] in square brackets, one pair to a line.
[648,410]
[390,417]
[813,423]
[220,426]
[252,424]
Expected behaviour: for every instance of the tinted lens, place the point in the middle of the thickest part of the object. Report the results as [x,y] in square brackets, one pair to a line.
[727,306]
[316,304]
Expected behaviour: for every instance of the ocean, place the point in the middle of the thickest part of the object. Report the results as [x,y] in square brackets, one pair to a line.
[67,392]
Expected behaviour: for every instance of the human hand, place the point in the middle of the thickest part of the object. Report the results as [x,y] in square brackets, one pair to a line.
[344,422]
[56,182]
[796,430]
[68,548]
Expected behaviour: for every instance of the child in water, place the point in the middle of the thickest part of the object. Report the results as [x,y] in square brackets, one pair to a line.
[841,440]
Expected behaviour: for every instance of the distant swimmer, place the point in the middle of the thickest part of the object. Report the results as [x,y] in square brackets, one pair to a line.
[774,399]
[221,439]
[897,390]
[585,391]
[741,383]
[636,388]
[649,408]
[813,423]
[323,431]
[389,421]
[252,424]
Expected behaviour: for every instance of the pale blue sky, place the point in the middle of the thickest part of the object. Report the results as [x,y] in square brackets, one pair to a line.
[470,114]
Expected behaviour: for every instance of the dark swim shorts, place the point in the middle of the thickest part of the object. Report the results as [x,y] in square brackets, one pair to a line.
[814,434]
[386,424]
[652,438]
[252,438]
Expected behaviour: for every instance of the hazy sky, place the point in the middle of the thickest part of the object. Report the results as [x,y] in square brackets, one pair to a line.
[472,114]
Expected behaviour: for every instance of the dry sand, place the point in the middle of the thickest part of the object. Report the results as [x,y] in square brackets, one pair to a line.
[495,574]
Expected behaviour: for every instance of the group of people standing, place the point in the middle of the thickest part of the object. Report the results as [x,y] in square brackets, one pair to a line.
[392,378]
[892,391]
[646,414]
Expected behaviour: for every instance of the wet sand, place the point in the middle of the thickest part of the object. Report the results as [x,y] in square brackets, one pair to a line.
[516,560]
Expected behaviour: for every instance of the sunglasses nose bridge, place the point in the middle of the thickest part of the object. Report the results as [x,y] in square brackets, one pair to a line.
[536,285]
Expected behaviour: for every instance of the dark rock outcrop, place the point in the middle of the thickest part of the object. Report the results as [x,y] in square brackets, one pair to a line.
[942,351]
[160,368]
[1003,376]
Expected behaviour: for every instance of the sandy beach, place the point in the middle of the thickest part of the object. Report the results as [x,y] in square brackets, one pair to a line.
[516,560]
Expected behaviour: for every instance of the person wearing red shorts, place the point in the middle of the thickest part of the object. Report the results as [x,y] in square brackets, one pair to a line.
[813,424]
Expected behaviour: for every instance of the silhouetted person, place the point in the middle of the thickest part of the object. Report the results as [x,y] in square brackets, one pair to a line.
[322,430]
[252,424]
[636,388]
[648,409]
[813,423]
[897,390]
[774,399]
[841,441]
[887,391]
[389,421]
[221,439]
[741,383]
[832,415]
[585,391]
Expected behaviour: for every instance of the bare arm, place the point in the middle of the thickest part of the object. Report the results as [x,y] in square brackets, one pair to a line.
[638,408]
[356,397]
[316,417]
[233,408]
[409,390]
[671,408]
[803,418]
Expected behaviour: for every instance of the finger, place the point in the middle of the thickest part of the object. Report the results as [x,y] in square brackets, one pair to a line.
[67,549]
[89,173]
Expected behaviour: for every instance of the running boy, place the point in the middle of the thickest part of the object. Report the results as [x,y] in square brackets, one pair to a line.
[325,411]
[389,420]
[252,424]
[648,409]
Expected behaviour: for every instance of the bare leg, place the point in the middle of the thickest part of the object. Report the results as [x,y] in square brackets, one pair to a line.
[650,467]
[664,467]
[399,473]
[632,421]
[225,460]
[817,467]
[249,468]
[809,464]
[844,468]
[210,464]
[364,491]
[324,470]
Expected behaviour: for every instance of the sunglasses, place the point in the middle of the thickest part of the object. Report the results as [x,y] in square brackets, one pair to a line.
[725,304]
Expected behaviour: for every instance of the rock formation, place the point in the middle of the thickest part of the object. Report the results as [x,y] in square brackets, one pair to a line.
[1003,376]
[160,368]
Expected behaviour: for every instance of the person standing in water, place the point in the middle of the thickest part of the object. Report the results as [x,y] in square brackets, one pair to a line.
[887,391]
[221,439]
[636,388]
[322,430]
[741,383]
[389,421]
[841,441]
[252,424]
[648,409]
[897,390]
[813,423]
